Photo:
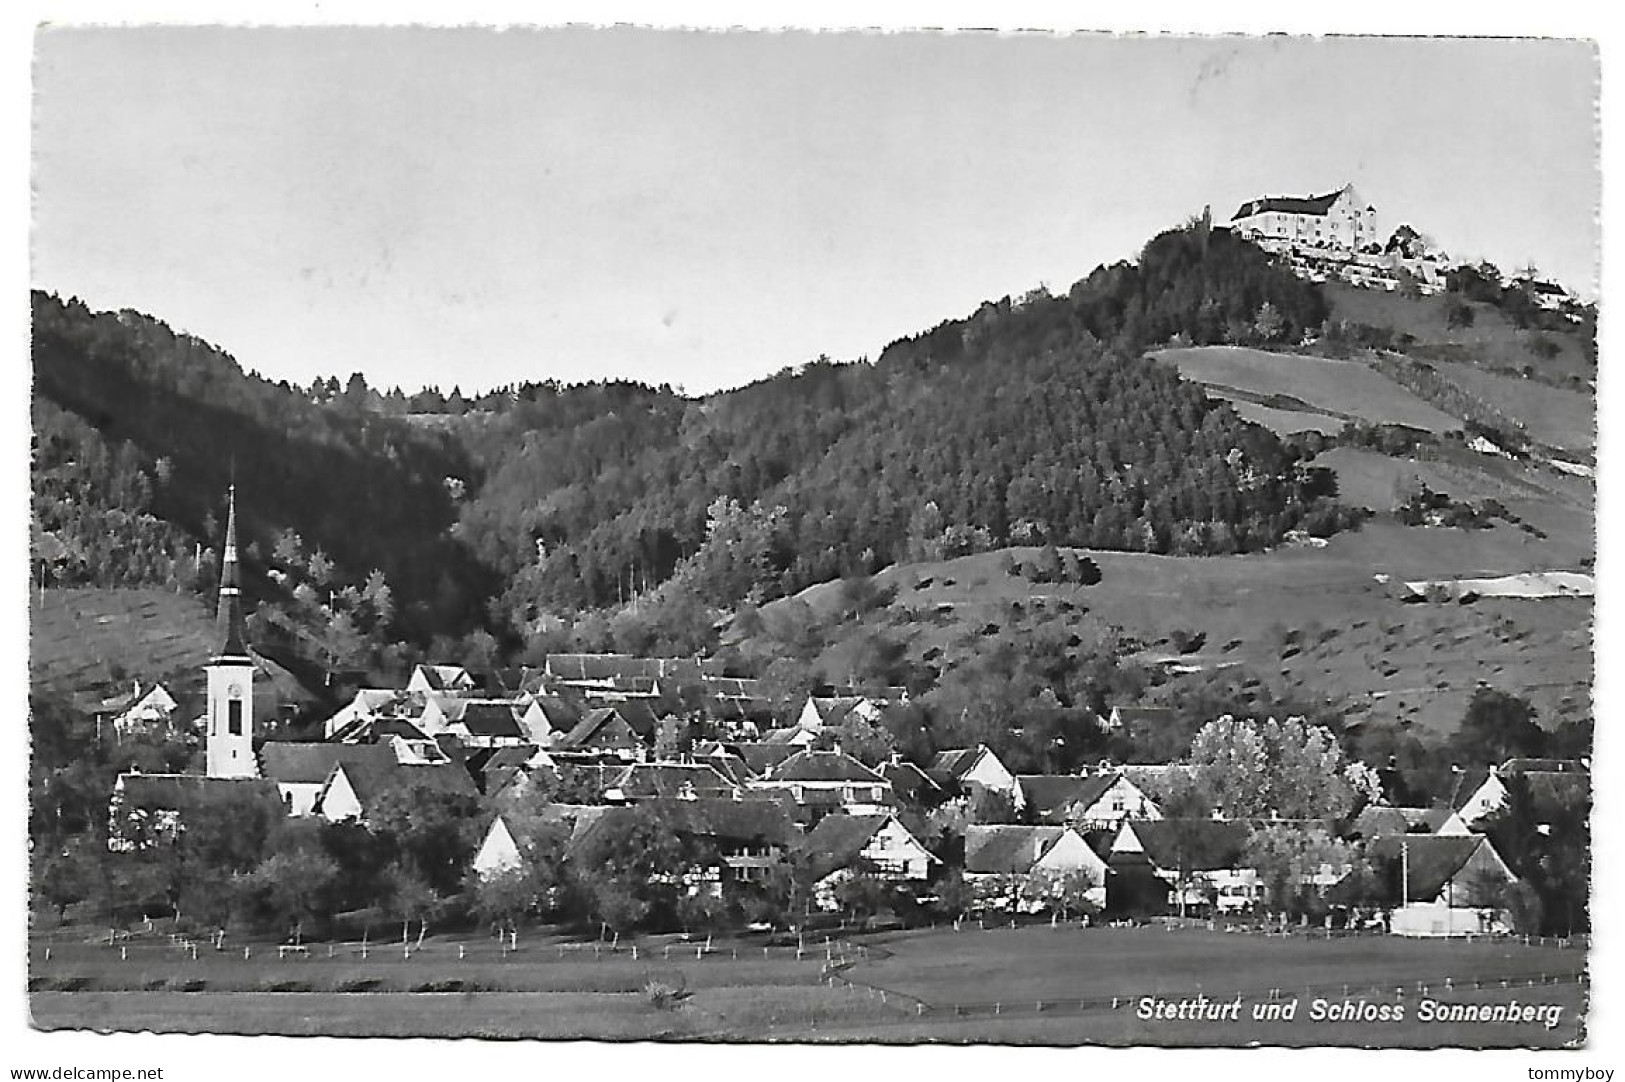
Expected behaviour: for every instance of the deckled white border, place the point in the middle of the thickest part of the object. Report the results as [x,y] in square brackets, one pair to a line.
[283,1059]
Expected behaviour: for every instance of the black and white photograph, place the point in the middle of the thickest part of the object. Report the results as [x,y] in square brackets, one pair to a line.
[644,534]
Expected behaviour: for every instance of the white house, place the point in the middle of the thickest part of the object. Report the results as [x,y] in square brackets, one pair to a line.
[300,770]
[993,853]
[842,846]
[825,781]
[963,769]
[153,708]
[1445,878]
[1092,802]
[440,678]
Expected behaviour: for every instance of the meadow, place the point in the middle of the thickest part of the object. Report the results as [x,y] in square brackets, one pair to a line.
[1066,984]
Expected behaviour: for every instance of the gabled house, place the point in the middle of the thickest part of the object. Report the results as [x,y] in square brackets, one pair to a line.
[1091,802]
[911,784]
[478,723]
[995,852]
[963,770]
[547,719]
[1138,722]
[1443,878]
[750,837]
[760,758]
[794,736]
[504,843]
[366,705]
[152,709]
[821,782]
[672,781]
[1478,794]
[442,679]
[1376,819]
[1176,865]
[353,789]
[627,729]
[842,846]
[301,769]
[819,712]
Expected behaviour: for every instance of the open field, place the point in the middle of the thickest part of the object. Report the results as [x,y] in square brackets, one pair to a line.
[83,638]
[1036,984]
[1284,422]
[1551,415]
[1492,342]
[1341,389]
[1313,620]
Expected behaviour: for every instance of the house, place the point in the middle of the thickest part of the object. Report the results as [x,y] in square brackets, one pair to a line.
[1338,220]
[353,789]
[444,679]
[1175,865]
[723,760]
[546,719]
[911,784]
[149,710]
[685,781]
[478,723]
[1092,802]
[626,729]
[1375,819]
[151,809]
[825,781]
[760,758]
[365,705]
[819,712]
[795,736]
[503,845]
[842,846]
[749,837]
[301,769]
[995,852]
[1477,794]
[962,770]
[1139,722]
[1444,879]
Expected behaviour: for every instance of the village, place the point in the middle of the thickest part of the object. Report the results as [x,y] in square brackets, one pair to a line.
[558,768]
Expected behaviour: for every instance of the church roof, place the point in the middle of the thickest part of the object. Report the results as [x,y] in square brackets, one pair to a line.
[229,613]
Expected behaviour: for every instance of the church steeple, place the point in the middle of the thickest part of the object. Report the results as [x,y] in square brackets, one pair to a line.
[229,724]
[228,618]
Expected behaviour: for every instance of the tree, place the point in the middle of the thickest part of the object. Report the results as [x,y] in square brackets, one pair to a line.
[1067,892]
[1288,858]
[1291,770]
[632,871]
[1267,323]
[1497,727]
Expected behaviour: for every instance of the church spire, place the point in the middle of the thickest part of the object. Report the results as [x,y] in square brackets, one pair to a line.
[229,614]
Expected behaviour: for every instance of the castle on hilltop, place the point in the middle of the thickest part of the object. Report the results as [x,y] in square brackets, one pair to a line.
[1336,237]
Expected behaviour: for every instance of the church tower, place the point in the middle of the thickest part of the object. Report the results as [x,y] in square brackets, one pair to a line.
[229,735]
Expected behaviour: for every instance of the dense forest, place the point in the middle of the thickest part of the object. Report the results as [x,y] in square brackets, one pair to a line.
[1030,421]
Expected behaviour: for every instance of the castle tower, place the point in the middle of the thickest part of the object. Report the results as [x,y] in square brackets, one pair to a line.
[229,731]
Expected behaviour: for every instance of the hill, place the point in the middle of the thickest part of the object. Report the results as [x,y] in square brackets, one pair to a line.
[87,643]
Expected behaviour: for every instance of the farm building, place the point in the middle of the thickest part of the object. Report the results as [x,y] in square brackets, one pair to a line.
[842,846]
[1092,802]
[1447,883]
[964,770]
[1179,865]
[995,853]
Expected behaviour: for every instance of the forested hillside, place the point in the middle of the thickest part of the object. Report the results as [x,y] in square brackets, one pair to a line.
[1029,421]
[140,430]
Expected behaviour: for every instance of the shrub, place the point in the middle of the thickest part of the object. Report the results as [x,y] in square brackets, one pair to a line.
[665,993]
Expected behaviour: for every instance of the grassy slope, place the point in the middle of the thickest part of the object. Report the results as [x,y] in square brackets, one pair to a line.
[1552,415]
[1356,640]
[88,642]
[1340,388]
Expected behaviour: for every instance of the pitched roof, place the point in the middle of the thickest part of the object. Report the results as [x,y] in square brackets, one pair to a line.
[752,821]
[954,763]
[444,677]
[370,779]
[1467,783]
[1288,204]
[1544,766]
[181,791]
[837,842]
[761,757]
[491,718]
[493,768]
[790,737]
[1201,845]
[1430,860]
[1050,795]
[908,780]
[641,781]
[809,765]
[592,723]
[310,763]
[1008,849]
[833,710]
[1377,819]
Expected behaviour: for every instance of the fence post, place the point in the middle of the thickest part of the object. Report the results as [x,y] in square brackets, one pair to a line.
[459,952]
[124,954]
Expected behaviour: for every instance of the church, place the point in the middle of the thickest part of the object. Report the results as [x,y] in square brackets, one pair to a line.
[149,808]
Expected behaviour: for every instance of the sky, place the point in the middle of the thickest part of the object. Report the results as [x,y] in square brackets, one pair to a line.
[472,207]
